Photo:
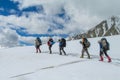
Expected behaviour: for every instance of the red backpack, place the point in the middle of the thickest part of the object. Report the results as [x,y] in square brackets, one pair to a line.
[48,43]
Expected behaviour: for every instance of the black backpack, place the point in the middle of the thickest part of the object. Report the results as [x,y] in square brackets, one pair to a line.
[86,42]
[105,44]
[64,42]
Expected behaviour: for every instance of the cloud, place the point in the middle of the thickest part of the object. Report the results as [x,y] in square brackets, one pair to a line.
[101,8]
[78,10]
[32,24]
[79,16]
[27,3]
[8,38]
[29,40]
[1,9]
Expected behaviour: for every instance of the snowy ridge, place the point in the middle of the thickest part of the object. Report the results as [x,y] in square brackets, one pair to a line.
[22,63]
[107,27]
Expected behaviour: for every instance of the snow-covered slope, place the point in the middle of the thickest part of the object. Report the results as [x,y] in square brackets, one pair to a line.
[22,63]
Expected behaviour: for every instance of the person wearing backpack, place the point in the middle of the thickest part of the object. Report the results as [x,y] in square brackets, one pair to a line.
[62,44]
[38,42]
[104,47]
[50,43]
[85,44]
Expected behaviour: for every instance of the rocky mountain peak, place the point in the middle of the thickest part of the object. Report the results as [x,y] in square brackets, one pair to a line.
[105,28]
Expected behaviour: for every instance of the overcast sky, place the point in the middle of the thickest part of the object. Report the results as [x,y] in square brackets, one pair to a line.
[79,15]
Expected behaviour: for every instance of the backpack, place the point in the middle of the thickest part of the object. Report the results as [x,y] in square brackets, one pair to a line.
[50,42]
[105,44]
[39,40]
[86,42]
[63,42]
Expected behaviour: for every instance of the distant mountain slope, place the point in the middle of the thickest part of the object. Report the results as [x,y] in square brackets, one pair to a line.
[105,28]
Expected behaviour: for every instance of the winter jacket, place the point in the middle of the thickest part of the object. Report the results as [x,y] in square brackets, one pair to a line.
[50,42]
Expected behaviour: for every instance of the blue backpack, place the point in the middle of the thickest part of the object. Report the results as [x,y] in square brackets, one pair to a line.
[105,44]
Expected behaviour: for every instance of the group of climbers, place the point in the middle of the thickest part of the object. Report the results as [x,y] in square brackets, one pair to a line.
[103,43]
[62,44]
[104,47]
